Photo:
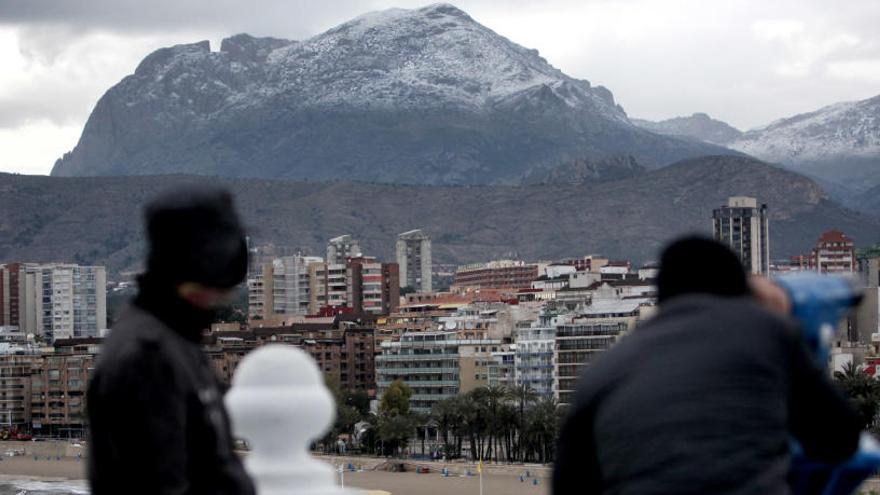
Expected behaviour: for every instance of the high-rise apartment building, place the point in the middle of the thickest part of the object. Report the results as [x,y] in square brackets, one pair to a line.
[329,286]
[372,287]
[835,252]
[869,271]
[866,321]
[362,284]
[290,284]
[743,225]
[59,301]
[11,294]
[535,359]
[414,260]
[339,249]
[261,297]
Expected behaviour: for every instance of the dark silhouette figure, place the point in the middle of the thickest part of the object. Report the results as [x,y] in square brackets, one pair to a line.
[157,420]
[704,397]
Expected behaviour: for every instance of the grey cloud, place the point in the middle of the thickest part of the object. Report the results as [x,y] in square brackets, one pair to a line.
[277,17]
[58,105]
[679,71]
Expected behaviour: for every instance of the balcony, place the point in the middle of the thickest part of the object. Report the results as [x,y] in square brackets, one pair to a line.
[417,357]
[416,384]
[414,371]
[432,397]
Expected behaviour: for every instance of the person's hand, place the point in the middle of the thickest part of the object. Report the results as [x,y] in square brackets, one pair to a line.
[770,295]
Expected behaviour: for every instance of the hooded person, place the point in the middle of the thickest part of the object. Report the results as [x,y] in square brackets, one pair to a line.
[156,415]
[704,397]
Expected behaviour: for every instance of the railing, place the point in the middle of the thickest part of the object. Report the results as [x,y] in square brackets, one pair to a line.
[417,357]
[421,383]
[410,371]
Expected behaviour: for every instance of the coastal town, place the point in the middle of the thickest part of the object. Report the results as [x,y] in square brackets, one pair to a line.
[508,331]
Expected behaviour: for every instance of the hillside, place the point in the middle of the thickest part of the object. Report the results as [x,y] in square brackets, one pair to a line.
[839,144]
[698,126]
[98,219]
[422,96]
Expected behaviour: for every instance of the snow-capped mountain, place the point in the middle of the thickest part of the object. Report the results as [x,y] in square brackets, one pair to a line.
[850,129]
[839,143]
[415,96]
[697,126]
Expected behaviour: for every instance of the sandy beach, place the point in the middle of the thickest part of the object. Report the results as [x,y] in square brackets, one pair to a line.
[48,466]
[394,483]
[66,468]
[435,484]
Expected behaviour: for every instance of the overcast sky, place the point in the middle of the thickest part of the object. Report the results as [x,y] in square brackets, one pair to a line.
[746,62]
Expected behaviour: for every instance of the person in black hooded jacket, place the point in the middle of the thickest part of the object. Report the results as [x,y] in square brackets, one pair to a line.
[704,397]
[157,421]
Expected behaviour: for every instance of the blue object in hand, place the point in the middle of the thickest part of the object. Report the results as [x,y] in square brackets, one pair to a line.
[819,302]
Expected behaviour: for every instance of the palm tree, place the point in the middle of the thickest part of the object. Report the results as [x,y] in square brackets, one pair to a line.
[508,424]
[524,395]
[863,391]
[447,415]
[496,396]
[543,428]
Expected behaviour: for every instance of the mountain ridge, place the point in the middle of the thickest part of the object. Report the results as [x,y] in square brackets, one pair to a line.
[697,126]
[402,96]
[64,219]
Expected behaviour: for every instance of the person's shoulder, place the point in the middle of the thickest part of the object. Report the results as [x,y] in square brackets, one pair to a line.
[743,311]
[740,319]
[137,339]
[760,319]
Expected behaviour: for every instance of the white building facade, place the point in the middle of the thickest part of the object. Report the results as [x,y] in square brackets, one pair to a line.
[290,284]
[414,260]
[64,301]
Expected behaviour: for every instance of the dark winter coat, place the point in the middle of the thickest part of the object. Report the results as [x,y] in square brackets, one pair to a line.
[157,420]
[702,399]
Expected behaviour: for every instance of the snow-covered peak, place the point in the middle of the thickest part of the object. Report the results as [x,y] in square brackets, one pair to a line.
[427,56]
[424,95]
[841,130]
[160,60]
[698,126]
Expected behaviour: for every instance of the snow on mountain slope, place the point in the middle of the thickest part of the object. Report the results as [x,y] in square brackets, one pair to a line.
[697,126]
[436,54]
[850,130]
[413,96]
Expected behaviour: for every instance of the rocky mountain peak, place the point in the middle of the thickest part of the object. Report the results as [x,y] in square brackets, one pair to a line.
[162,58]
[245,47]
[423,95]
[698,126]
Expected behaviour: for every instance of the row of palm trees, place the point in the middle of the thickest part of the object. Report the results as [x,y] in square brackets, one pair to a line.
[498,423]
[495,423]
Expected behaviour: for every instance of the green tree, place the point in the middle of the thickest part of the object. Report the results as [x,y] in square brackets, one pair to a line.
[495,396]
[863,392]
[395,431]
[872,251]
[543,422]
[447,416]
[358,399]
[524,396]
[347,412]
[395,400]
